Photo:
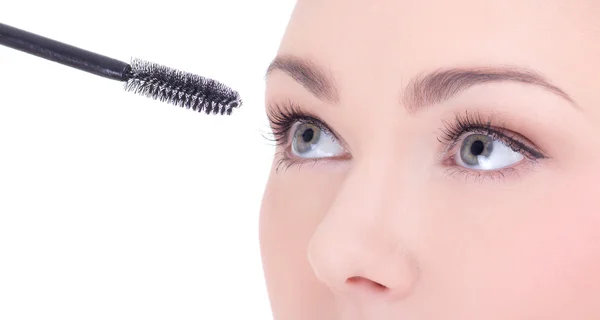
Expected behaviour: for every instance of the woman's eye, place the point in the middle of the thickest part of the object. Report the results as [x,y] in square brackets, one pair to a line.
[483,152]
[310,141]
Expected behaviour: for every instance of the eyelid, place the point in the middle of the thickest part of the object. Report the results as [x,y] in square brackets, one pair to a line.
[514,141]
[448,156]
[471,122]
[289,120]
[280,115]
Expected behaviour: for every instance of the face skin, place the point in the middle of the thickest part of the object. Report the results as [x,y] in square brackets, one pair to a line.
[457,171]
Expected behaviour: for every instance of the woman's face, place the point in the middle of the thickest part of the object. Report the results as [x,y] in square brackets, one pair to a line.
[435,160]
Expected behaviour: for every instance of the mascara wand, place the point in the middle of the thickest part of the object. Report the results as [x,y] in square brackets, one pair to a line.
[149,79]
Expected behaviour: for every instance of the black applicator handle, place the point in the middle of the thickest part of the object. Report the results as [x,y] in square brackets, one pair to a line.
[63,53]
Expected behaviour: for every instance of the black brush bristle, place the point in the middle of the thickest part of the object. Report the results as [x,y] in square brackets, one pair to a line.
[180,88]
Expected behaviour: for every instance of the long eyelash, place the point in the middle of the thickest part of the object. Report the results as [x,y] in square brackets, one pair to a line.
[475,123]
[282,118]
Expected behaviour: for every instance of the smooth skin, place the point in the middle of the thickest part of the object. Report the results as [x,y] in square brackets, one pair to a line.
[391,230]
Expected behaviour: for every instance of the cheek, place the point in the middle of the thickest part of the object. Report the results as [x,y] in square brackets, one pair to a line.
[538,256]
[294,203]
[562,252]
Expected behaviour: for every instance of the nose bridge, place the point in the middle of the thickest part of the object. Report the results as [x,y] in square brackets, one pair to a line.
[357,239]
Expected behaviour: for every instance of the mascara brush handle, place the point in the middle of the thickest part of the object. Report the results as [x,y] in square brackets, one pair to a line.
[63,53]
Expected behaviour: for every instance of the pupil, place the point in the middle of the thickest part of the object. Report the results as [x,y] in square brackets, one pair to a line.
[308,135]
[477,148]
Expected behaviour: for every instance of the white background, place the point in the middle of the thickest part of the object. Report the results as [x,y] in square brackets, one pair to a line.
[115,206]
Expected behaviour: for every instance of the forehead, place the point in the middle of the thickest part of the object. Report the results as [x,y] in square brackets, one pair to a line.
[389,41]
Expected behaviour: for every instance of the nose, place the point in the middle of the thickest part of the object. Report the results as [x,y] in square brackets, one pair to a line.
[356,249]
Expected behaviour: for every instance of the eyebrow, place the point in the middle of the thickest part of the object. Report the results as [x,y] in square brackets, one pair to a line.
[422,91]
[314,78]
[441,85]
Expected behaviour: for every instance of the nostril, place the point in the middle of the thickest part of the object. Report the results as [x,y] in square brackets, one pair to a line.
[367,284]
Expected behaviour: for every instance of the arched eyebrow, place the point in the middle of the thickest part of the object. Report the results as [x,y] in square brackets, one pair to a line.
[422,91]
[441,85]
[313,77]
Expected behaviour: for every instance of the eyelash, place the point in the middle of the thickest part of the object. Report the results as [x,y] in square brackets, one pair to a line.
[475,123]
[283,117]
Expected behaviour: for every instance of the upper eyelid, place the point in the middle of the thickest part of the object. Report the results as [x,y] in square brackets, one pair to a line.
[508,139]
[512,137]
[494,123]
[473,121]
[293,110]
